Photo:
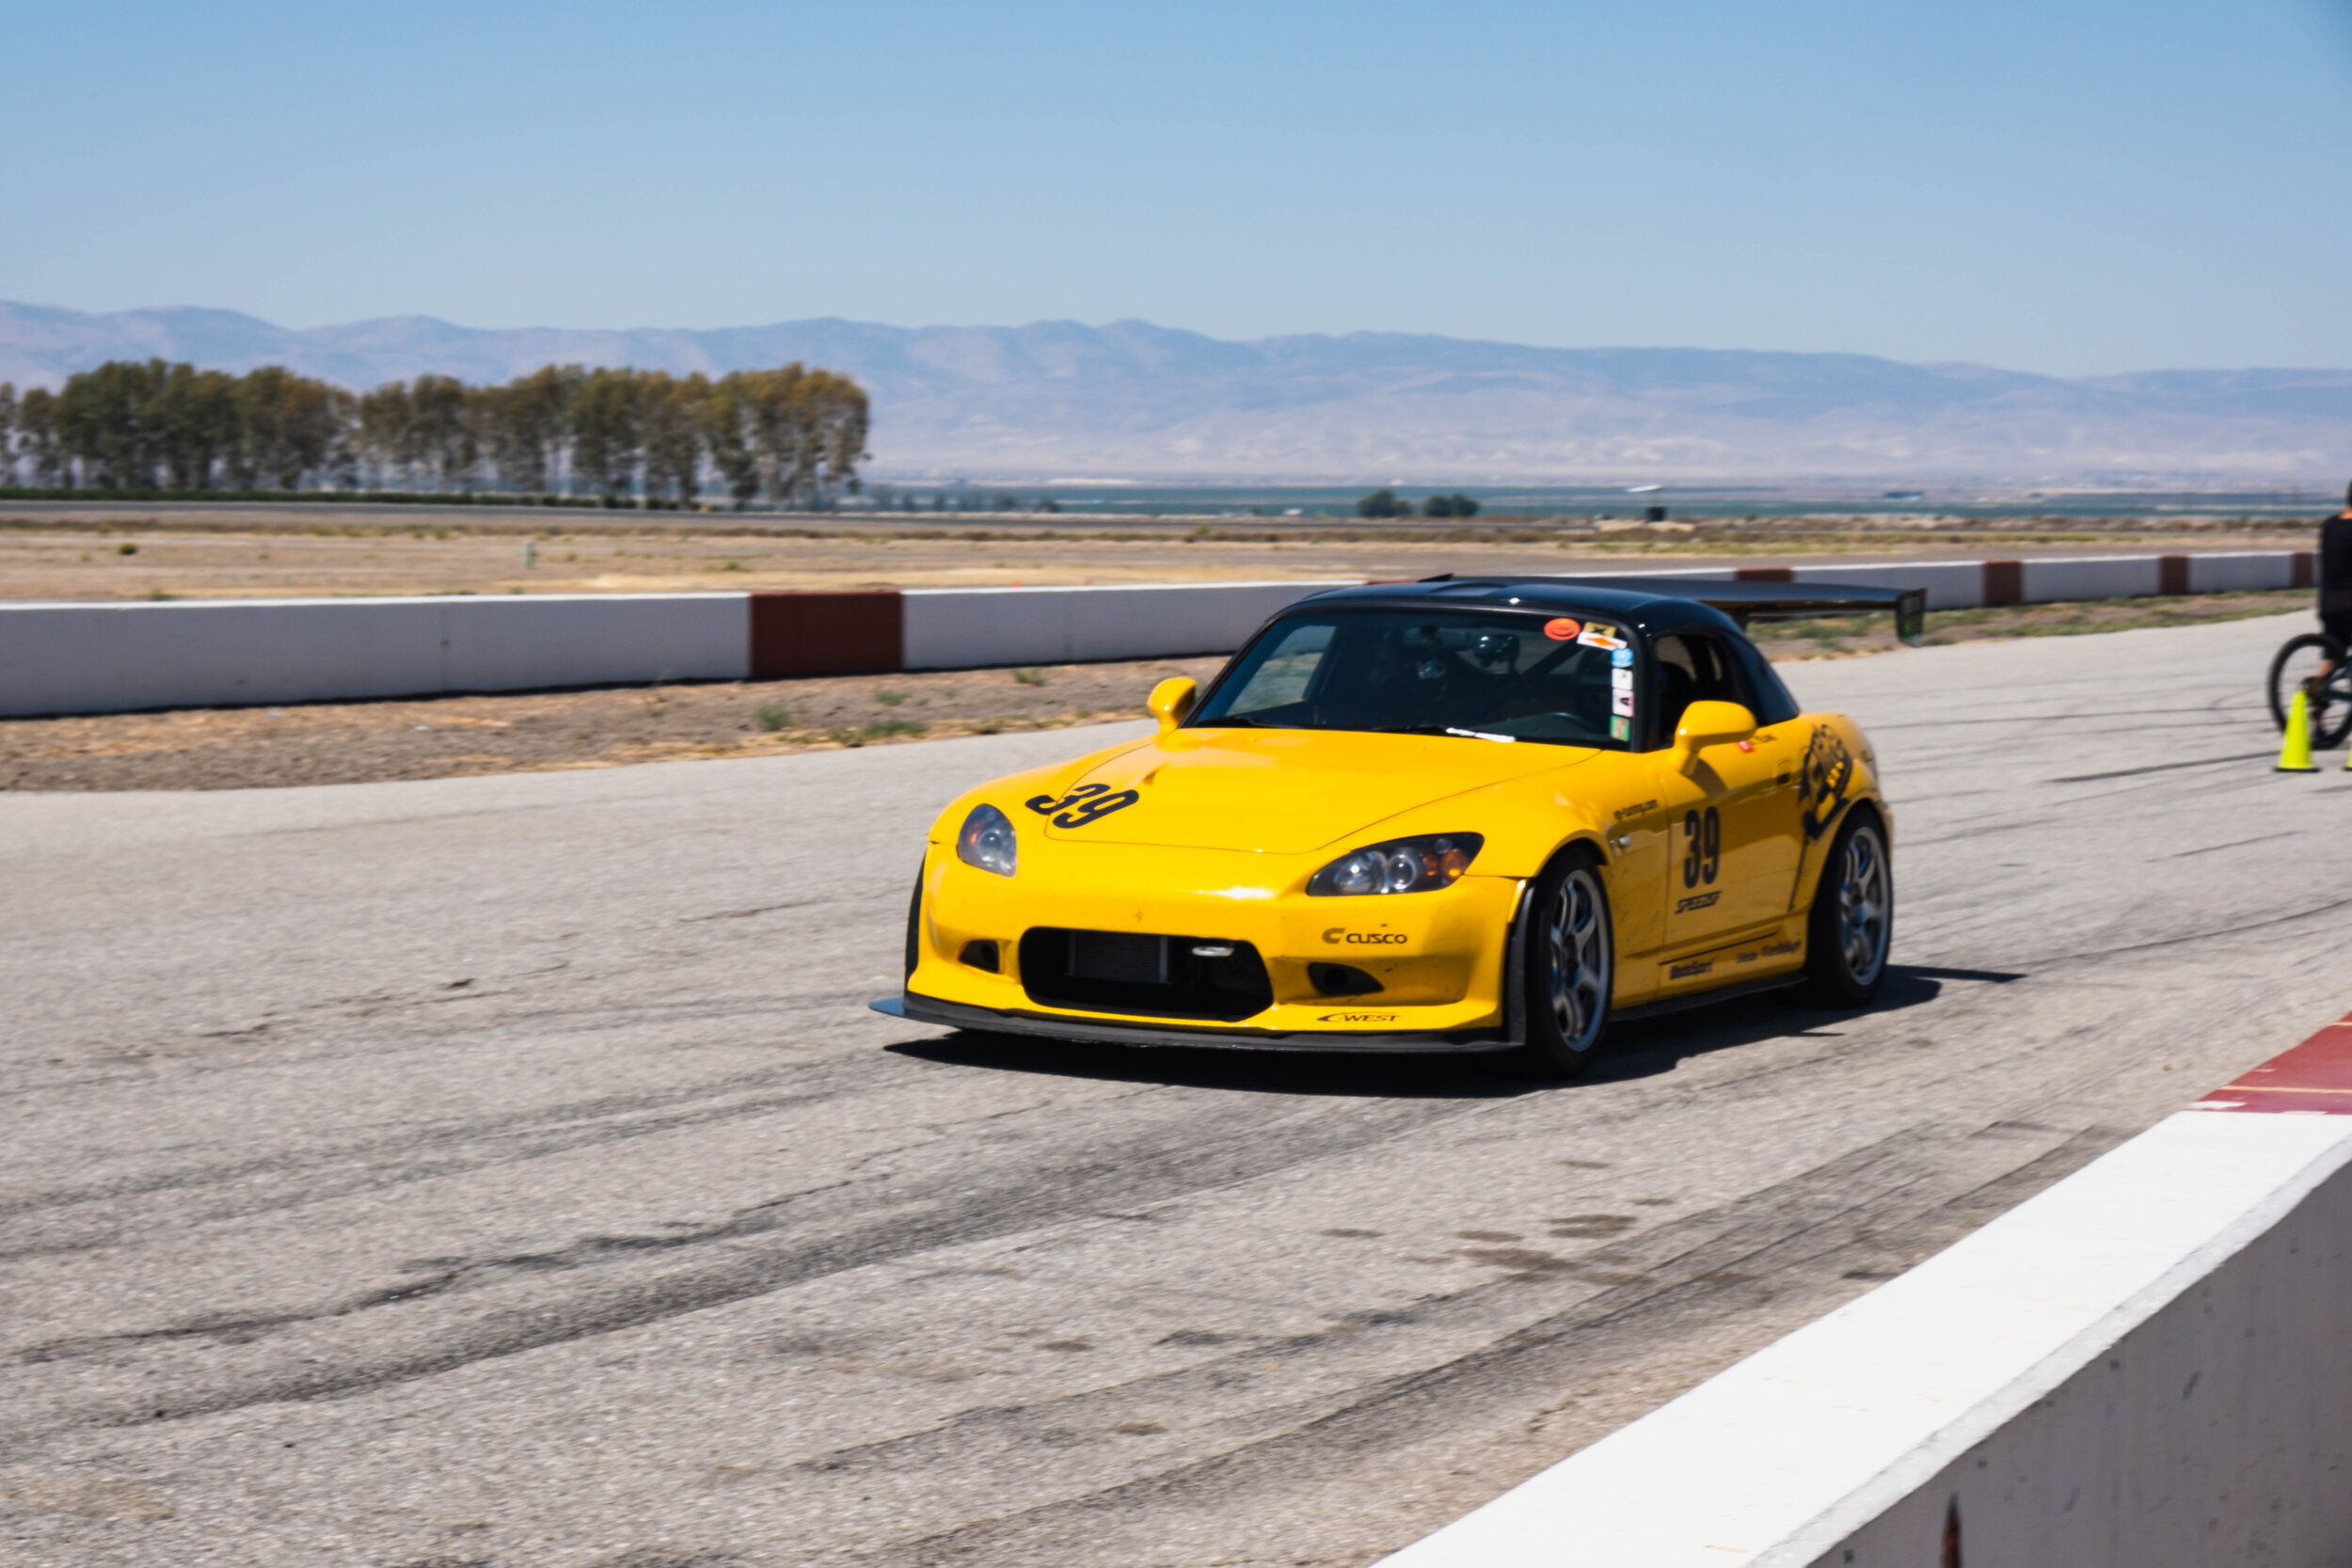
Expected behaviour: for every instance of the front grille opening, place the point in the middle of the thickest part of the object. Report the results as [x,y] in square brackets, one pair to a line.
[1160,977]
[1341,980]
[980,955]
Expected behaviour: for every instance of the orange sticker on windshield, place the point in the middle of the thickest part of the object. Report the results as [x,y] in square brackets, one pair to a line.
[1561,629]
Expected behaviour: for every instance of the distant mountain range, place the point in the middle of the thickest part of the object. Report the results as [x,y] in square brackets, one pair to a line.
[1131,399]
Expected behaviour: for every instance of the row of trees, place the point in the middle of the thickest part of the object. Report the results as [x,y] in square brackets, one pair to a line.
[794,437]
[1388,504]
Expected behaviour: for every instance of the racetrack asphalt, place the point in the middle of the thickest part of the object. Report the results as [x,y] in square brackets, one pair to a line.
[506,1171]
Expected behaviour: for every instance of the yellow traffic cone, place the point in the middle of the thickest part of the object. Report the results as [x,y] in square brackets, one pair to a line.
[2295,756]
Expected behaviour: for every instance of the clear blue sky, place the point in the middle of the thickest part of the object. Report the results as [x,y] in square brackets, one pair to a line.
[2067,185]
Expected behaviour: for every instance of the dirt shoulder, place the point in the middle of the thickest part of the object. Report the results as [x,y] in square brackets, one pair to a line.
[449,737]
[165,555]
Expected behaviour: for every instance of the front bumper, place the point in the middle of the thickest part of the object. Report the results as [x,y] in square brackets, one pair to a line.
[1102,1030]
[1442,960]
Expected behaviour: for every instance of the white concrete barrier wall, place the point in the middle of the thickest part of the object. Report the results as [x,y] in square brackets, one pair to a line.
[2241,572]
[2147,1365]
[952,629]
[74,658]
[2051,579]
[80,657]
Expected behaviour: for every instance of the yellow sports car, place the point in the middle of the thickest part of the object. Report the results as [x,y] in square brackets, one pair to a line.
[1459,815]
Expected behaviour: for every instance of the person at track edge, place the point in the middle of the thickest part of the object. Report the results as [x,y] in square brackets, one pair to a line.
[2335,588]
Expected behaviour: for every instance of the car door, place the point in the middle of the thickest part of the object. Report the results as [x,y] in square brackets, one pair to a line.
[1731,810]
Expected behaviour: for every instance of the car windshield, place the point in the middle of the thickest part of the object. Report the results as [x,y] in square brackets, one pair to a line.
[1561,678]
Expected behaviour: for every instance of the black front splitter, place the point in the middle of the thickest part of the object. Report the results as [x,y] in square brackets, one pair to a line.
[959,1015]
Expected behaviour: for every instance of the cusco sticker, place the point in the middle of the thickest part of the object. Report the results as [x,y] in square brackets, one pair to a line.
[1621,704]
[1600,637]
[1563,629]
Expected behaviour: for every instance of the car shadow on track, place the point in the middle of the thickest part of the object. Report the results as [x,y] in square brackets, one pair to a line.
[1639,1050]
[1649,1047]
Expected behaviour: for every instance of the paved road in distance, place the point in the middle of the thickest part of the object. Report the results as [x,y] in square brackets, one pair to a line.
[506,1171]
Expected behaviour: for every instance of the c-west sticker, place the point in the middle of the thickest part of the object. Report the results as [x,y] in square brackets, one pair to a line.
[1821,784]
[1082,805]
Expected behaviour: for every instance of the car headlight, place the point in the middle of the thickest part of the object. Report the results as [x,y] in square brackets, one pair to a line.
[986,841]
[1400,865]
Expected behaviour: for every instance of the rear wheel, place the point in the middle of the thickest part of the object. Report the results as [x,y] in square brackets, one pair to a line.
[2291,670]
[1571,967]
[1852,922]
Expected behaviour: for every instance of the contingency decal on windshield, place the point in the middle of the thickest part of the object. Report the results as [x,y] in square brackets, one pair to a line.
[1600,637]
[1082,805]
[1821,784]
[1563,629]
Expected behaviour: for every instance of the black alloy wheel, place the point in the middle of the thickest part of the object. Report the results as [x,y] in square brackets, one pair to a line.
[1852,924]
[1571,967]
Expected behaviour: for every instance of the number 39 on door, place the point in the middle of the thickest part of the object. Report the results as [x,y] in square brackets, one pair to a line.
[1701,846]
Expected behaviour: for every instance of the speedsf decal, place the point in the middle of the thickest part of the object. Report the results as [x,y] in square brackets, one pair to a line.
[1827,775]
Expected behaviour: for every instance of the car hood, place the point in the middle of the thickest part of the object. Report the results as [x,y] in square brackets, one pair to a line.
[1278,791]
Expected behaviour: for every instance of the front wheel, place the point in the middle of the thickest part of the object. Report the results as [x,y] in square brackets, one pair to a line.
[2293,669]
[1852,922]
[1571,967]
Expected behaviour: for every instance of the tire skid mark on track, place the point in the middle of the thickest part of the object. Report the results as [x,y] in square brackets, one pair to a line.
[405,1157]
[1704,1267]
[2237,929]
[1025,1198]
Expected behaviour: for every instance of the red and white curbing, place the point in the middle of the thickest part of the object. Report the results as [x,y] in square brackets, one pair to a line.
[99,657]
[2149,1365]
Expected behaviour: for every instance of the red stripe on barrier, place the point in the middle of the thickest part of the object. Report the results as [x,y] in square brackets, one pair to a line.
[2004,582]
[2172,573]
[2315,1076]
[2306,569]
[827,634]
[1766,574]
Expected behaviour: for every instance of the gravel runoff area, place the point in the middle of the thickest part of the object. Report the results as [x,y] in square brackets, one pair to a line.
[506,1171]
[441,737]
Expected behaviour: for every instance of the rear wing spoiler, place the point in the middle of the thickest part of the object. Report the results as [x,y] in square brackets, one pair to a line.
[1787,601]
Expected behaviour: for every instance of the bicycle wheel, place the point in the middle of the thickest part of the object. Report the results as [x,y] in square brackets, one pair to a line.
[2296,661]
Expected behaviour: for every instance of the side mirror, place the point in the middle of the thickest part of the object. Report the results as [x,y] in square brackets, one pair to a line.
[1172,699]
[1712,723]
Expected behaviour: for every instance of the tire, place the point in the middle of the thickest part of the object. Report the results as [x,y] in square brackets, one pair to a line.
[1571,967]
[1852,924]
[2295,661]
[914,925]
